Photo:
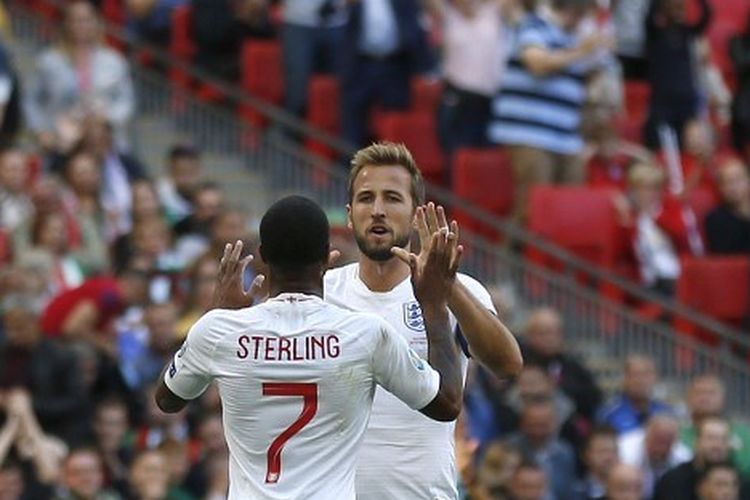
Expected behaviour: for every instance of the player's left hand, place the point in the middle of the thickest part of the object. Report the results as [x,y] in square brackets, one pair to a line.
[230,292]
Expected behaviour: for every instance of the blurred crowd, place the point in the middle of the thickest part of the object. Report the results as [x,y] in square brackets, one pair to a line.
[104,266]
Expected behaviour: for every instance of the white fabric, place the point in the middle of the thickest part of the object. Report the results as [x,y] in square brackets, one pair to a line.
[116,196]
[379,28]
[474,51]
[293,339]
[405,455]
[655,251]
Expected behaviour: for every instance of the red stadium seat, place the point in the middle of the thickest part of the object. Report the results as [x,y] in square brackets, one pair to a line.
[580,219]
[483,177]
[425,94]
[418,131]
[181,45]
[262,76]
[4,247]
[637,95]
[322,111]
[715,286]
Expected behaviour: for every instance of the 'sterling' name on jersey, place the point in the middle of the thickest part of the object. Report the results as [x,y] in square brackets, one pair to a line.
[304,348]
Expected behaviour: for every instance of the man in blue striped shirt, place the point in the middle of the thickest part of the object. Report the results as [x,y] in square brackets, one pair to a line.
[538,111]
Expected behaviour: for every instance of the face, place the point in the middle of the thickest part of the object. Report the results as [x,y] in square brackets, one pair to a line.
[734,183]
[706,397]
[571,17]
[21,327]
[640,378]
[84,175]
[660,437]
[625,483]
[161,321]
[528,484]
[204,283]
[698,139]
[545,333]
[14,171]
[186,175]
[712,442]
[81,23]
[538,422]
[229,226]
[110,426]
[674,9]
[53,234]
[720,484]
[601,454]
[83,474]
[208,203]
[381,211]
[646,195]
[145,200]
[149,476]
[532,383]
[151,238]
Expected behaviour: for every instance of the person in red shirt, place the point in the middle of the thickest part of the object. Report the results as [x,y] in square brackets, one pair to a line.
[86,312]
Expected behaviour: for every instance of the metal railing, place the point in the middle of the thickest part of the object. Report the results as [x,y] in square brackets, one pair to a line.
[600,327]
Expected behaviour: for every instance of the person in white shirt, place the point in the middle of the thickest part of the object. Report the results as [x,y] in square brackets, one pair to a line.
[297,375]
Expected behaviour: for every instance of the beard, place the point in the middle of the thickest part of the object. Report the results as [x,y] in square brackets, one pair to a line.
[377,253]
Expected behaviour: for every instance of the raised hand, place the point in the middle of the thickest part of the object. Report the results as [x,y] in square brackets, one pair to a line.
[230,292]
[433,274]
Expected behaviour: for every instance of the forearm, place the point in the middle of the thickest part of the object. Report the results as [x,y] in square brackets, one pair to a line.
[488,338]
[542,62]
[442,354]
[166,400]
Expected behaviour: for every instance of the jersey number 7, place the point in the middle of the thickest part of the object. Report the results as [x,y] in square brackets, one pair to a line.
[309,393]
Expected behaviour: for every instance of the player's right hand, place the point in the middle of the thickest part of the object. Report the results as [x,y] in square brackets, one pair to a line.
[230,292]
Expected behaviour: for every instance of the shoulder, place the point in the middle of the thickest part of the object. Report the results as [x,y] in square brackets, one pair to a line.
[110,56]
[339,275]
[51,56]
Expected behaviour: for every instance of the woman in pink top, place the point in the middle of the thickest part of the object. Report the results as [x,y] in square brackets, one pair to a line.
[473,58]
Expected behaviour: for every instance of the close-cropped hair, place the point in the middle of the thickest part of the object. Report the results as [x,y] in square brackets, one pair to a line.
[384,154]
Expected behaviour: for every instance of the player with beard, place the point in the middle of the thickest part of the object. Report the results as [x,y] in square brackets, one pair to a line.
[404,455]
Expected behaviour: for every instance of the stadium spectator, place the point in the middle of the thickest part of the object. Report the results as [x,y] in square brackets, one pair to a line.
[15,201]
[545,147]
[193,233]
[110,425]
[44,369]
[145,205]
[151,20]
[496,468]
[719,482]
[210,433]
[543,346]
[312,37]
[529,482]
[537,441]
[656,227]
[673,72]
[10,99]
[142,366]
[86,313]
[739,49]
[629,18]
[83,477]
[220,27]
[177,188]
[473,55]
[599,456]
[384,47]
[606,156]
[711,445]
[728,225]
[653,449]
[636,403]
[149,478]
[76,77]
[705,398]
[624,483]
[201,285]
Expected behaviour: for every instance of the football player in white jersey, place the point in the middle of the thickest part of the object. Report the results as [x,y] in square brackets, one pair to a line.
[404,455]
[297,375]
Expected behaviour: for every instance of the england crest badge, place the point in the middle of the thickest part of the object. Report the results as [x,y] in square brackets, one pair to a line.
[413,316]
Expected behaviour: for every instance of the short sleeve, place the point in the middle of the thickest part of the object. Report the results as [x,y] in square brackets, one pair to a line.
[401,371]
[478,291]
[531,36]
[189,373]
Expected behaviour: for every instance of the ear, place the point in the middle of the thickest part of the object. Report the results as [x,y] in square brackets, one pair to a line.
[349,216]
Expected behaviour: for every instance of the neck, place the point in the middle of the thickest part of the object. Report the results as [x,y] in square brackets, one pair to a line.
[743,207]
[640,404]
[309,282]
[382,276]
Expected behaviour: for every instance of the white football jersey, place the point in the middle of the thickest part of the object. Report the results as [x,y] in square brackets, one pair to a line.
[296,378]
[405,455]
